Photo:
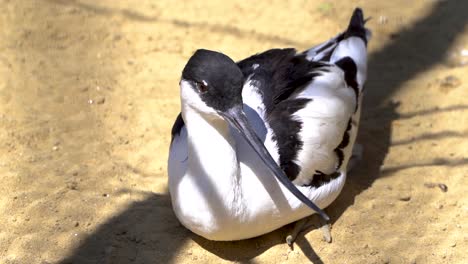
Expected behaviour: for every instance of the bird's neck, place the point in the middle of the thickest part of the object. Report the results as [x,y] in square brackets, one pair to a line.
[211,151]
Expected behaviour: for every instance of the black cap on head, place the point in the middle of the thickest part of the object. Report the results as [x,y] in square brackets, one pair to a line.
[216,78]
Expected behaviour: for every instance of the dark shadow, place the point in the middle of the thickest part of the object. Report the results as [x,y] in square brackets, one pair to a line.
[243,250]
[435,162]
[432,111]
[130,235]
[221,29]
[306,248]
[430,136]
[399,61]
[133,236]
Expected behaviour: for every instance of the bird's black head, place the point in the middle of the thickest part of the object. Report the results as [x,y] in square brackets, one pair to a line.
[215,78]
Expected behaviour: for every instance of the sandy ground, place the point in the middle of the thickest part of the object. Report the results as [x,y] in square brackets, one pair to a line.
[89,91]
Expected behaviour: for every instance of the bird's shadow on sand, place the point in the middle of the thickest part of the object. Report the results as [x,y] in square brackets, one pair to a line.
[148,231]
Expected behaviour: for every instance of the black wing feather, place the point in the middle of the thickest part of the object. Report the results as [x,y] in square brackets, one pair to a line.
[177,127]
[278,73]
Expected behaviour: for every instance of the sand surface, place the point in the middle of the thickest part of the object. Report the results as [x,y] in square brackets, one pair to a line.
[89,91]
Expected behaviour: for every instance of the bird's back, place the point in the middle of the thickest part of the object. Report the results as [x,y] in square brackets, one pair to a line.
[310,101]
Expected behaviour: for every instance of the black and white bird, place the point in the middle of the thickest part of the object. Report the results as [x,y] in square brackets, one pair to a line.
[266,141]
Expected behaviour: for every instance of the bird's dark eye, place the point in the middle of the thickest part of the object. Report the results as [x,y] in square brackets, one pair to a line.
[202,87]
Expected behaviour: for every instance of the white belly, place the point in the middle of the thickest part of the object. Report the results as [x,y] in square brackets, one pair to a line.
[253,204]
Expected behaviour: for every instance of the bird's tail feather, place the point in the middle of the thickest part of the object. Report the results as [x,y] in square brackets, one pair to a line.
[356,27]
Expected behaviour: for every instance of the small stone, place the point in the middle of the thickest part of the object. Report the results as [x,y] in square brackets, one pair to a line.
[77,224]
[101,100]
[454,244]
[404,198]
[55,148]
[72,185]
[105,195]
[442,187]
[448,83]
[90,101]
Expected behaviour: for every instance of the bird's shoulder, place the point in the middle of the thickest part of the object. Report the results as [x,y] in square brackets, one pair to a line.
[278,73]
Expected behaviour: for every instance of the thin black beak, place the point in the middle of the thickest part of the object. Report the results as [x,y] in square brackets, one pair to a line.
[236,117]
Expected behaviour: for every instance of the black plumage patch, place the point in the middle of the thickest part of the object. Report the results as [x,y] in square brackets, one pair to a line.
[286,134]
[297,74]
[349,68]
[278,73]
[320,178]
[178,125]
[343,144]
[268,60]
[340,156]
